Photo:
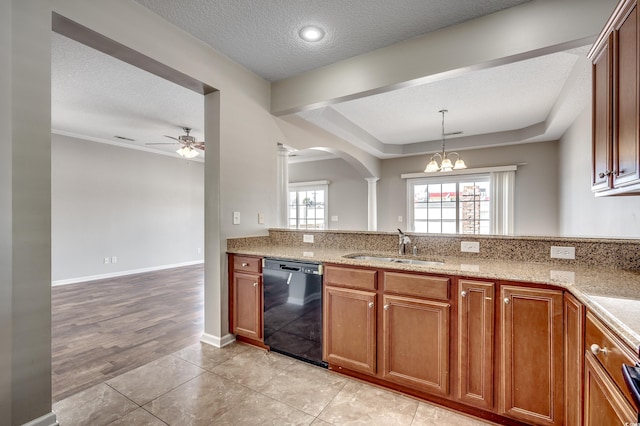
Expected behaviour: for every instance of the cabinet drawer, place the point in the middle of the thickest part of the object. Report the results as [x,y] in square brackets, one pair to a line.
[614,356]
[350,277]
[247,264]
[417,285]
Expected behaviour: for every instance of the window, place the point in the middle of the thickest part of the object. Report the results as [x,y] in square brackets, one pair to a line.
[308,205]
[450,205]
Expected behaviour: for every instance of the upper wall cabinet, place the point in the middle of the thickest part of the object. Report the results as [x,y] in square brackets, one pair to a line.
[616,122]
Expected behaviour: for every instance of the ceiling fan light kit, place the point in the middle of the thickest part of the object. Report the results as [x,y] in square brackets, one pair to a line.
[445,159]
[187,152]
[188,142]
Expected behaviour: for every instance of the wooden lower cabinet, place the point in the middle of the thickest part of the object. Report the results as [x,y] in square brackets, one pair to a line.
[349,329]
[476,318]
[531,367]
[604,404]
[573,360]
[416,343]
[247,305]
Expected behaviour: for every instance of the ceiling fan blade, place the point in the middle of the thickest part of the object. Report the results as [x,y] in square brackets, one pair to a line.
[161,143]
[199,145]
[171,137]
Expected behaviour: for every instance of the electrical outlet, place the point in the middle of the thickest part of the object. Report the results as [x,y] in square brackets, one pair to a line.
[563,252]
[400,219]
[260,218]
[307,238]
[470,246]
[199,250]
[334,218]
[114,259]
[105,261]
[236,218]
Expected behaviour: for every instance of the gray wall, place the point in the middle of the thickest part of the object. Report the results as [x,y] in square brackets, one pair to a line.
[536,192]
[146,209]
[347,190]
[581,213]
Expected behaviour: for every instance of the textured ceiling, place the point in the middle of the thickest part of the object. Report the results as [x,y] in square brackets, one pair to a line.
[98,97]
[263,35]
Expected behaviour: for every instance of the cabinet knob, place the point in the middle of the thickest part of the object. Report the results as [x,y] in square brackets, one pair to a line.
[386,307]
[596,349]
[506,300]
[371,304]
[605,173]
[244,265]
[255,284]
[463,294]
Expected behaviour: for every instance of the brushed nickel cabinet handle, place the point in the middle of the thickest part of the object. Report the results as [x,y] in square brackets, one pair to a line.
[244,265]
[463,294]
[371,304]
[255,284]
[386,307]
[596,349]
[506,300]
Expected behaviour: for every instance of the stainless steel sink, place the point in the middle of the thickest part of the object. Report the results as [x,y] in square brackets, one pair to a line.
[396,260]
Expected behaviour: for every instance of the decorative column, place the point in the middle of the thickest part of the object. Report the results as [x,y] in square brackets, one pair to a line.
[372,209]
[282,192]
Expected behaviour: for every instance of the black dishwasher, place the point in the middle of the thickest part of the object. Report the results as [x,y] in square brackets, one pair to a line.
[293,309]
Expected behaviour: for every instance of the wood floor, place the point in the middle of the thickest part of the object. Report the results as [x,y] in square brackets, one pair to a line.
[101,329]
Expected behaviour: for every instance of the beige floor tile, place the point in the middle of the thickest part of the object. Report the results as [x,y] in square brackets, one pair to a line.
[199,401]
[260,410]
[138,417]
[209,357]
[305,387]
[361,404]
[96,406]
[430,415]
[154,379]
[318,422]
[254,368]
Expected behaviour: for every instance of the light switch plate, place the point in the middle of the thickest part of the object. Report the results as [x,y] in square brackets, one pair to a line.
[470,246]
[236,218]
[261,218]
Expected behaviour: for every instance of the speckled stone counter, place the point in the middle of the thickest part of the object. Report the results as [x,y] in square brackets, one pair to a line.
[613,294]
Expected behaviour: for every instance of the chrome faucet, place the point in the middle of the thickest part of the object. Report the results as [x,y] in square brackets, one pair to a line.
[403,240]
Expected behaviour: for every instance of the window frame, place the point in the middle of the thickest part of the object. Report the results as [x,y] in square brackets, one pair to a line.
[457,179]
[320,185]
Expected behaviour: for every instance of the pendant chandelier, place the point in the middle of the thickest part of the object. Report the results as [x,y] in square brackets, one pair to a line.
[446,165]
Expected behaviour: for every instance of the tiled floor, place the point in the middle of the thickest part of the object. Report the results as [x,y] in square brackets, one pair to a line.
[242,385]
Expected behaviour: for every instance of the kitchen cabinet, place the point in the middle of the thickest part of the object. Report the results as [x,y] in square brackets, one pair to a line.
[349,329]
[573,360]
[531,354]
[349,319]
[476,318]
[245,297]
[416,343]
[616,104]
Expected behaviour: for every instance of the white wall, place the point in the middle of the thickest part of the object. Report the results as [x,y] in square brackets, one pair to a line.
[581,213]
[146,209]
[536,192]
[347,190]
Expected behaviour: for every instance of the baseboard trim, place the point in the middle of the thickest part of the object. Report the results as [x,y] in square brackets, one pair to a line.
[46,420]
[123,273]
[218,342]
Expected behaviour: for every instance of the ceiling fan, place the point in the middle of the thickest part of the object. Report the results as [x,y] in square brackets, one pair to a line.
[188,143]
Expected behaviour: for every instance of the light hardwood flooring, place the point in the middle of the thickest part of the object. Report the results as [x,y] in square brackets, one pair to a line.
[102,329]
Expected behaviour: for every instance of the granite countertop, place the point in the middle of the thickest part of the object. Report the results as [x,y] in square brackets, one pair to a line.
[612,294]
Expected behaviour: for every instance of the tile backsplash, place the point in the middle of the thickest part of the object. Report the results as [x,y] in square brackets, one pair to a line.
[610,253]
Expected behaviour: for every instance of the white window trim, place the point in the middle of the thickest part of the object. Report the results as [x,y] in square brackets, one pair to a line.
[309,186]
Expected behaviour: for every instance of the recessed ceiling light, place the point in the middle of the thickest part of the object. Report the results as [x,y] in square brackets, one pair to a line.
[311,33]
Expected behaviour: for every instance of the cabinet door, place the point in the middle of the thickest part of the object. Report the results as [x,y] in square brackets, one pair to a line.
[604,404]
[602,116]
[531,387]
[626,150]
[573,360]
[247,305]
[475,342]
[349,329]
[416,343]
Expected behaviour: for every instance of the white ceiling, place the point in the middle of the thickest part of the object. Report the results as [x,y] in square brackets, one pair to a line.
[99,97]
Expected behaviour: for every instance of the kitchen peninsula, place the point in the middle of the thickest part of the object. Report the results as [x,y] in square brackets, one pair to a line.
[506,334]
